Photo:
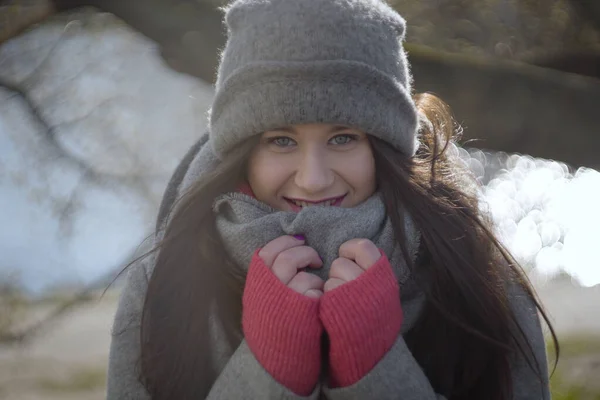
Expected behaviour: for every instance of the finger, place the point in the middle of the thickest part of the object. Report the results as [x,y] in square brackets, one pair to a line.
[304,282]
[332,283]
[345,269]
[314,293]
[272,249]
[289,261]
[362,251]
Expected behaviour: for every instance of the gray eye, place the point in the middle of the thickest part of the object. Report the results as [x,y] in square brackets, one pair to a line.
[342,139]
[282,141]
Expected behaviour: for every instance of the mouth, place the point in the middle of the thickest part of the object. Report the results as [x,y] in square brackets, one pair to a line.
[299,204]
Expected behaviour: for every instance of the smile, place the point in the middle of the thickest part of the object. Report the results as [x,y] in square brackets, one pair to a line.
[298,204]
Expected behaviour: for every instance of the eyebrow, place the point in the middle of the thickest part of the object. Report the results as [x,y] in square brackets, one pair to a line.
[334,129]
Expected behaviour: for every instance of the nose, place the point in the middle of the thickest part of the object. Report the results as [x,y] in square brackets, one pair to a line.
[314,174]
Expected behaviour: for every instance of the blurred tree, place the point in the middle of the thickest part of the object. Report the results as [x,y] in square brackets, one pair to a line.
[479,32]
[189,32]
[560,34]
[518,29]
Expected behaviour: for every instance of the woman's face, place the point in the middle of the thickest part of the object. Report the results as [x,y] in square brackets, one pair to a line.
[312,164]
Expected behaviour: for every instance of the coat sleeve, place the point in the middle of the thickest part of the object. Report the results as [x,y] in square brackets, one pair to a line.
[398,376]
[526,381]
[242,377]
[123,361]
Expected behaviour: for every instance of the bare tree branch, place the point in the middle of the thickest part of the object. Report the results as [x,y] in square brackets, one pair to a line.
[134,181]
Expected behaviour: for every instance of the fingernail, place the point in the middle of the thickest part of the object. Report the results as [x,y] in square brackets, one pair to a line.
[299,237]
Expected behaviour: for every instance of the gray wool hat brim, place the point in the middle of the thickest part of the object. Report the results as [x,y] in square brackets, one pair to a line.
[273,95]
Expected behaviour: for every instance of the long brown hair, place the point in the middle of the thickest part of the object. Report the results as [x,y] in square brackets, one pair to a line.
[466,324]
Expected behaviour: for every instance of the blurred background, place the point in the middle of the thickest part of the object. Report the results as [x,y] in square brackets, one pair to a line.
[99,100]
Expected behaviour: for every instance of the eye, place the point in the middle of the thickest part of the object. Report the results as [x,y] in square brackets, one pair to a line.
[343,139]
[281,141]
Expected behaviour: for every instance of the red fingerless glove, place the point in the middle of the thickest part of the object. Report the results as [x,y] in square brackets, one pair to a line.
[363,319]
[282,328]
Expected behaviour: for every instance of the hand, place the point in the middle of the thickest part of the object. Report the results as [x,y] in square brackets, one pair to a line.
[362,319]
[285,256]
[356,256]
[280,324]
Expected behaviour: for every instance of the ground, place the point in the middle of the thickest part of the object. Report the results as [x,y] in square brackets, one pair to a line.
[68,359]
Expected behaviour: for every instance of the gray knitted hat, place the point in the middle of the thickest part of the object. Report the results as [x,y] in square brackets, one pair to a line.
[290,62]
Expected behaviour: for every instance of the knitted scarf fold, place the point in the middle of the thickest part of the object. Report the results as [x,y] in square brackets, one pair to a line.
[245,224]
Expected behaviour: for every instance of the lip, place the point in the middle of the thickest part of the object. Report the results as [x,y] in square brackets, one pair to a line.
[295,208]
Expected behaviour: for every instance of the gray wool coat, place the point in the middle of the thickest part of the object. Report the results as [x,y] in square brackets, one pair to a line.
[397,376]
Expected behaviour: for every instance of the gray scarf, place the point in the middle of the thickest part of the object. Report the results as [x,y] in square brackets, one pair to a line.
[246,224]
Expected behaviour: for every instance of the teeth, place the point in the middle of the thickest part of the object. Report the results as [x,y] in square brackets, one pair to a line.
[305,204]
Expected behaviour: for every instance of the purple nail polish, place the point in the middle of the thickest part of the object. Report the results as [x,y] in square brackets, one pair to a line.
[300,237]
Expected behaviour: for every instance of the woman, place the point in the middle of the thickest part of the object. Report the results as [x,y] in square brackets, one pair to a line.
[320,242]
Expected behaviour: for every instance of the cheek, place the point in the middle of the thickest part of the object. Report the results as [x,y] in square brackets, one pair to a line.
[266,174]
[360,172]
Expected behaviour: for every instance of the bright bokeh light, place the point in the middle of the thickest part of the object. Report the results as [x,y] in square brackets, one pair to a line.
[547,216]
